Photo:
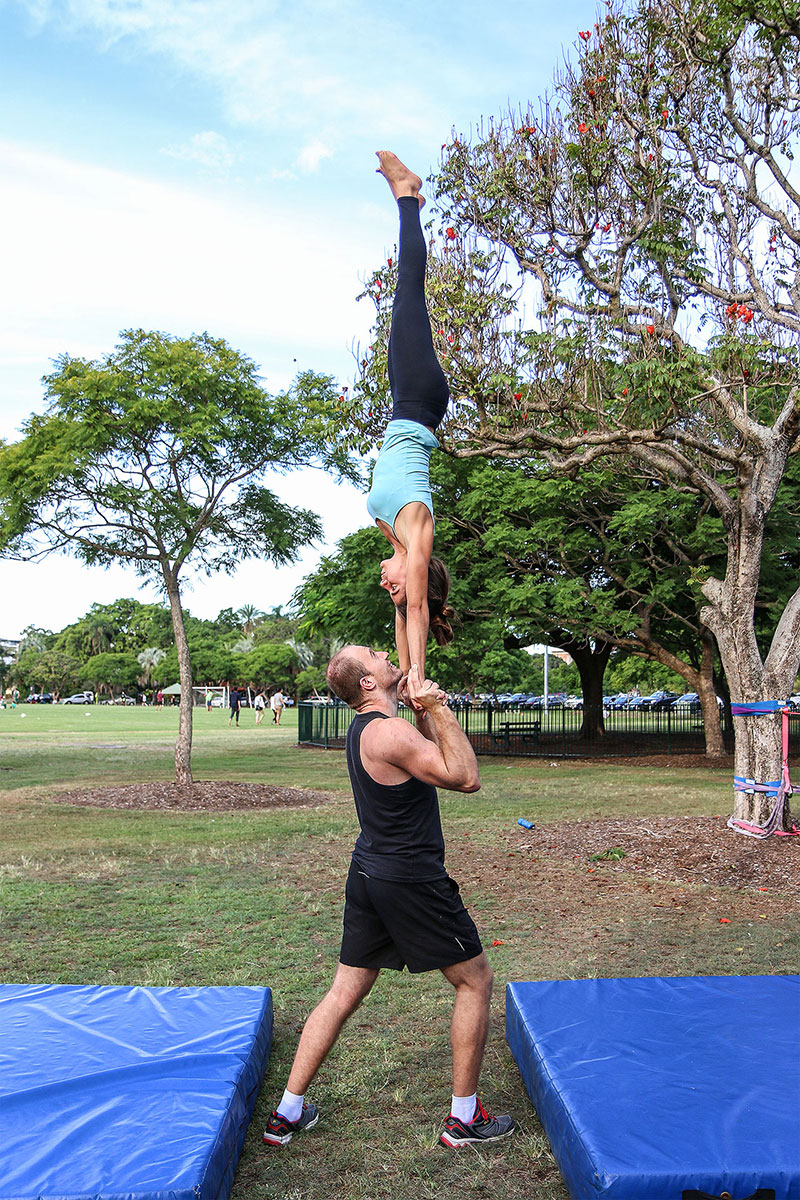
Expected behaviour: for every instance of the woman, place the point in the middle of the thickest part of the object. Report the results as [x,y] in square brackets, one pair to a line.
[400,496]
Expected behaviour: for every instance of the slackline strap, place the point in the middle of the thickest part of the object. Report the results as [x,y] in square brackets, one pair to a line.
[759,708]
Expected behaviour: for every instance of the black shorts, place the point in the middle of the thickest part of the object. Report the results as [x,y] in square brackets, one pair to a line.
[422,926]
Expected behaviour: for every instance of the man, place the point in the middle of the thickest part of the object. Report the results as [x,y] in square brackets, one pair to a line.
[277,701]
[235,702]
[401,907]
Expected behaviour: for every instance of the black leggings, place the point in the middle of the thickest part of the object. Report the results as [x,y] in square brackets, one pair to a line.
[419,388]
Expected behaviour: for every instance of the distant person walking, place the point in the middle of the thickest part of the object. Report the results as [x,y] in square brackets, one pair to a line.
[260,705]
[277,704]
[236,704]
[209,698]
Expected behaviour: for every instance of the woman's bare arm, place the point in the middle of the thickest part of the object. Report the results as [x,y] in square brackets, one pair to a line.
[414,525]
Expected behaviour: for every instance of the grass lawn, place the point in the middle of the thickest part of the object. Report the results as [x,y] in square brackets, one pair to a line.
[254,897]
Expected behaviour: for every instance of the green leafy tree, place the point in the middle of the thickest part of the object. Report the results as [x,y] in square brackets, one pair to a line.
[111,672]
[100,633]
[271,664]
[311,681]
[646,212]
[155,456]
[49,670]
[609,559]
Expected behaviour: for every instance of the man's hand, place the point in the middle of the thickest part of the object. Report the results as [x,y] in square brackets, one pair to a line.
[424,695]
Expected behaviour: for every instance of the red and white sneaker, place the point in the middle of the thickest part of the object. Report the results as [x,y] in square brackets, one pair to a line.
[482,1128]
[279,1131]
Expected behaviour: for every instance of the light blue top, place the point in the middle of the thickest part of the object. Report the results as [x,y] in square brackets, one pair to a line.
[402,472]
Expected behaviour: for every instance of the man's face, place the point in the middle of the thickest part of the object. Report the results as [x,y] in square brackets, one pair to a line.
[376,663]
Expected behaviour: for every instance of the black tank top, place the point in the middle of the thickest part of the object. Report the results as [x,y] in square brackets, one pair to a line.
[401,833]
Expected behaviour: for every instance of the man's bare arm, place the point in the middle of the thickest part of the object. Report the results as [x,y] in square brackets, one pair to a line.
[438,752]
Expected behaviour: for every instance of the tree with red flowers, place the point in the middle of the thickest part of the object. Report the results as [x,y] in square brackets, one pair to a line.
[652,228]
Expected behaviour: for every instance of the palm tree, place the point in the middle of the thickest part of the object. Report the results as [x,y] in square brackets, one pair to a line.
[250,616]
[148,660]
[100,633]
[244,644]
[304,652]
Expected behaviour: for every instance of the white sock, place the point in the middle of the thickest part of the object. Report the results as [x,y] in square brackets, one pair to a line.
[463,1107]
[291,1106]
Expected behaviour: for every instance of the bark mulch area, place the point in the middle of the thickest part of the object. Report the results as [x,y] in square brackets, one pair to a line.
[214,795]
[686,850]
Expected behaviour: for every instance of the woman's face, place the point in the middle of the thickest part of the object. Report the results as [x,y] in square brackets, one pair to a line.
[393,578]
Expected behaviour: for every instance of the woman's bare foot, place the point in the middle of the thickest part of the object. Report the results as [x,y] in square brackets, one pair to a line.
[401,180]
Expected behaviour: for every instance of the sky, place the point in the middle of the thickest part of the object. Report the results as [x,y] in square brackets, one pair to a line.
[190,165]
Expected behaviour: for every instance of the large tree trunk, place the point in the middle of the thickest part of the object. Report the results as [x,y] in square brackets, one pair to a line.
[183,746]
[700,679]
[730,614]
[591,661]
[712,725]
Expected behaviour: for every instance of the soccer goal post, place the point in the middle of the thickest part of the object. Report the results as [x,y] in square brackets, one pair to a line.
[218,695]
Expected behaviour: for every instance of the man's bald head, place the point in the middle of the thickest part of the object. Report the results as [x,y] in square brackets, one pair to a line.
[344,674]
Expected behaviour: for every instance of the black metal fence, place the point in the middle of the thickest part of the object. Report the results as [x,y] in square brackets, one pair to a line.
[555,733]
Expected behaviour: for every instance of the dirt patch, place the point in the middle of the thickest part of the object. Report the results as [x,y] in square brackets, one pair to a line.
[214,795]
[685,850]
[693,850]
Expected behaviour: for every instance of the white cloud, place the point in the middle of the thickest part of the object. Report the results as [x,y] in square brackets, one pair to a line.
[311,156]
[308,65]
[208,149]
[89,251]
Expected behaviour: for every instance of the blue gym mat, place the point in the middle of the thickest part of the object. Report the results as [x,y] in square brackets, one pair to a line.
[127,1093]
[649,1088]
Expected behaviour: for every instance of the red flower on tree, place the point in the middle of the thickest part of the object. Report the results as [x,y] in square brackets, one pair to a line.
[582,127]
[651,329]
[450,232]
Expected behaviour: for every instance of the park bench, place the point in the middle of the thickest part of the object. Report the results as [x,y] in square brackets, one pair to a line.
[523,731]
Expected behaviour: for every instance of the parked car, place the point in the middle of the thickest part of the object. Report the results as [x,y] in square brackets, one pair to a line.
[123,699]
[688,702]
[79,698]
[663,702]
[573,702]
[40,698]
[659,701]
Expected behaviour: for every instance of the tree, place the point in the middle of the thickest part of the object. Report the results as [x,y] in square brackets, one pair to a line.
[609,559]
[648,206]
[149,660]
[154,456]
[310,681]
[250,617]
[271,664]
[111,671]
[100,632]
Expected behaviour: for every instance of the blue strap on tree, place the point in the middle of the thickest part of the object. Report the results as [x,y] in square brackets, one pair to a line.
[759,708]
